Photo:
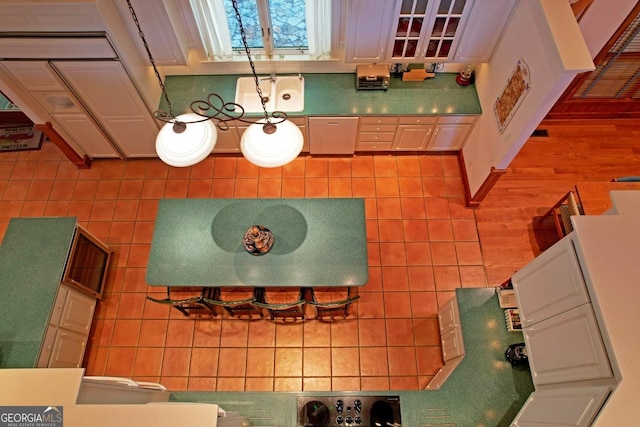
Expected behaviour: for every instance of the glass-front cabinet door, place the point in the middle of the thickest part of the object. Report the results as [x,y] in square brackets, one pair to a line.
[410,26]
[446,26]
[428,29]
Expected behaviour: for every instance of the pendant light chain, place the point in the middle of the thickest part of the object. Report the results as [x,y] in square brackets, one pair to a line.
[153,63]
[243,35]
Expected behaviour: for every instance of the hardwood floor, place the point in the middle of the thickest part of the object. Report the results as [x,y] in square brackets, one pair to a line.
[509,219]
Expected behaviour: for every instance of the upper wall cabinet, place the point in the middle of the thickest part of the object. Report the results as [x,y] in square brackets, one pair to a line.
[368,28]
[426,30]
[405,30]
[165,39]
[484,27]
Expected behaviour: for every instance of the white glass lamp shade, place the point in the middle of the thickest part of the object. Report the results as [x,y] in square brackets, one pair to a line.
[271,150]
[189,147]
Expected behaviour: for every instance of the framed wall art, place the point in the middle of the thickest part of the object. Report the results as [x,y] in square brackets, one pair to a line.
[512,95]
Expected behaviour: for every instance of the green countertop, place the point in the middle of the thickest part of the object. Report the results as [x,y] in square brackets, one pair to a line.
[199,242]
[32,259]
[336,94]
[484,390]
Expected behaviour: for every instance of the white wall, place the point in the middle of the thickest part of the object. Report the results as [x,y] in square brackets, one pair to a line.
[546,36]
[601,20]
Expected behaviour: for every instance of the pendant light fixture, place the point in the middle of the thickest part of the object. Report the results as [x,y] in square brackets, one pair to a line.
[187,139]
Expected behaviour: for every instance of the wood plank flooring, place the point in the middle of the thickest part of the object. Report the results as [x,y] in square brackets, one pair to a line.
[509,219]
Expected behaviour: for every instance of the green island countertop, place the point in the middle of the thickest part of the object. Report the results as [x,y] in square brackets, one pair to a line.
[33,255]
[207,249]
[484,390]
[336,95]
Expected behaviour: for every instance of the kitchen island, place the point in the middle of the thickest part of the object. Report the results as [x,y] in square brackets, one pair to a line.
[318,242]
[28,293]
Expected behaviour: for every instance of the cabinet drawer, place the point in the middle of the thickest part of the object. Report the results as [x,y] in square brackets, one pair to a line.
[377,128]
[373,145]
[417,120]
[457,119]
[383,120]
[376,136]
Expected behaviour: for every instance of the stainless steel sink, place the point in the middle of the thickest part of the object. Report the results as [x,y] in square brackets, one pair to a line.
[285,94]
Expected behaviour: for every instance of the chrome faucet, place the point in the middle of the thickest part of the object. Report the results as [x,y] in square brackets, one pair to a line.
[271,78]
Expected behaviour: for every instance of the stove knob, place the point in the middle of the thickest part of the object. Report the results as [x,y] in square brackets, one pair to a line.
[339,419]
[357,405]
[358,419]
[339,406]
[349,419]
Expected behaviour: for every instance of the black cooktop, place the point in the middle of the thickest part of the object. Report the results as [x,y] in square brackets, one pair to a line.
[348,411]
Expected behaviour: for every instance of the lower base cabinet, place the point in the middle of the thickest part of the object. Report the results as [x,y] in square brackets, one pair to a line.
[570,406]
[66,338]
[452,343]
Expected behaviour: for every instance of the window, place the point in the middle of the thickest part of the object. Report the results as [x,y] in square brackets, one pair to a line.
[274,28]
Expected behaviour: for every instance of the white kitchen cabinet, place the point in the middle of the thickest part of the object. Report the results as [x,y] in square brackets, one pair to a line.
[484,27]
[109,93]
[448,137]
[68,349]
[332,135]
[82,128]
[560,329]
[430,30]
[368,28]
[52,94]
[68,331]
[450,132]
[376,133]
[229,140]
[551,284]
[571,406]
[301,122]
[450,330]
[413,133]
[451,340]
[567,347]
[35,76]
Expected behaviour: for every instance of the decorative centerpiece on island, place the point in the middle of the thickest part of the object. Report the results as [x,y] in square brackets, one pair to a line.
[258,240]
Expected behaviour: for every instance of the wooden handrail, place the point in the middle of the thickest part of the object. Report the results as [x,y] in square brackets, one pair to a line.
[82,162]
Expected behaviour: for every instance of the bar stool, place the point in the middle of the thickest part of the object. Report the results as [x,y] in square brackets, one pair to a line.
[331,301]
[283,303]
[186,305]
[236,301]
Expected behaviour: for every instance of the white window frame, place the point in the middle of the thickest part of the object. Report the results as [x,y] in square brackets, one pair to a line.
[214,32]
